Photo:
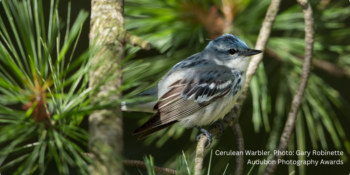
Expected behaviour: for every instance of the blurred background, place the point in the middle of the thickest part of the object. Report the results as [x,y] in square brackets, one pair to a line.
[178,29]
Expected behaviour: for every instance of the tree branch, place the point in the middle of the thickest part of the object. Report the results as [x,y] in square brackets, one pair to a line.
[126,37]
[106,125]
[232,118]
[198,166]
[141,164]
[262,40]
[288,128]
[240,147]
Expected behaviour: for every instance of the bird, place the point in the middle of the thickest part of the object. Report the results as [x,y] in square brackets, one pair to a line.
[199,90]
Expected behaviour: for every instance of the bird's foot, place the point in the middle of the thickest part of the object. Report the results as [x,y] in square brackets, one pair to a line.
[206,133]
[221,125]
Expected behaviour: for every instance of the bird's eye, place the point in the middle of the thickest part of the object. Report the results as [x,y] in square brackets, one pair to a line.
[232,51]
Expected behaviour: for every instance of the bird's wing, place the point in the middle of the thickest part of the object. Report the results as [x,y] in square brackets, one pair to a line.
[201,87]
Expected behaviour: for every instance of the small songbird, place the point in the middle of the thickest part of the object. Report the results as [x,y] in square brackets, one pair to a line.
[199,90]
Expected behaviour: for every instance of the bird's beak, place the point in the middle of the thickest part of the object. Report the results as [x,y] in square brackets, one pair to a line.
[251,52]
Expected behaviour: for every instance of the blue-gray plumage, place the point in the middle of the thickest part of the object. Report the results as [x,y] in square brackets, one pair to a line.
[200,89]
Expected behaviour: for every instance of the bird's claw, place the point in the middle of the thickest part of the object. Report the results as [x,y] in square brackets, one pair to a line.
[206,133]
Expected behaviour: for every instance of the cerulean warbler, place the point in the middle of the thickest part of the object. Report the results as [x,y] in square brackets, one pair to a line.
[199,90]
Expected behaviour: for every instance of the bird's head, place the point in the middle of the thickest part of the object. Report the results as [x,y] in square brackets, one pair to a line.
[231,51]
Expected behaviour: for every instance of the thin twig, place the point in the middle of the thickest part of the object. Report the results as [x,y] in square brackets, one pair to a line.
[126,37]
[309,42]
[233,116]
[198,166]
[141,164]
[262,40]
[240,147]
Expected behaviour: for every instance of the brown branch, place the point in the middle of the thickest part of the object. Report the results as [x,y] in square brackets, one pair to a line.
[309,42]
[262,40]
[232,118]
[141,164]
[126,37]
[240,147]
[198,166]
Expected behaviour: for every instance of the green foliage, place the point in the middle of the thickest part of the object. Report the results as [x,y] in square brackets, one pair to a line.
[33,77]
[44,90]
[251,169]
[149,165]
[39,73]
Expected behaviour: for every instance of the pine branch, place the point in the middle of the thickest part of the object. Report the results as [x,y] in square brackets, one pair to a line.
[232,118]
[240,147]
[126,37]
[198,166]
[141,164]
[309,42]
[263,37]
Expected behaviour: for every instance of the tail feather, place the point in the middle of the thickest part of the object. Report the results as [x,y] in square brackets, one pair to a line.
[153,123]
[156,129]
[149,124]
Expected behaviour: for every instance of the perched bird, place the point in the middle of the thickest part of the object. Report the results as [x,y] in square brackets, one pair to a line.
[199,90]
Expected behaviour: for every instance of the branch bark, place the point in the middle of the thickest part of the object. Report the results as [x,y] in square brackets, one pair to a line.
[107,38]
[262,41]
[198,166]
[106,126]
[232,118]
[240,147]
[141,164]
[288,128]
[126,37]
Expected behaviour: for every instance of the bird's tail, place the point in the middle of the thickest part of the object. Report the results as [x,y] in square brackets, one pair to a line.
[153,125]
[156,129]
